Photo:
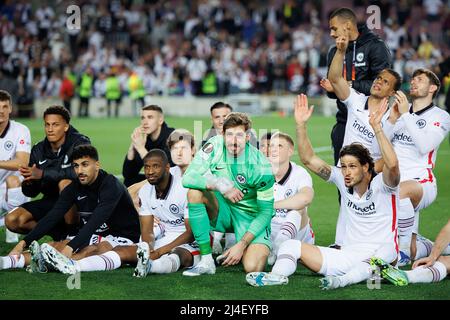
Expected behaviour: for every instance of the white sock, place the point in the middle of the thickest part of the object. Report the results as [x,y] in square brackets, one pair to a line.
[360,272]
[423,247]
[230,240]
[15,198]
[107,261]
[168,263]
[288,254]
[218,236]
[288,229]
[405,225]
[158,230]
[340,227]
[422,274]
[207,258]
[12,262]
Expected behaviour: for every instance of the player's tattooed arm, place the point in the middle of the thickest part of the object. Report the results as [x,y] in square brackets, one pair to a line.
[324,172]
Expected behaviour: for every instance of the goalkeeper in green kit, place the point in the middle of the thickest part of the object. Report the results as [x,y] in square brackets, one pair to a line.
[231,189]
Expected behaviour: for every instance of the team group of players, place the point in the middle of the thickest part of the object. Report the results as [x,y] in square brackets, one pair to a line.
[165,222]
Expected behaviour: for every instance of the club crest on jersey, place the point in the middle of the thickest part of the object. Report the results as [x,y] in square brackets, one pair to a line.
[421,123]
[288,193]
[174,209]
[208,147]
[8,145]
[360,57]
[241,179]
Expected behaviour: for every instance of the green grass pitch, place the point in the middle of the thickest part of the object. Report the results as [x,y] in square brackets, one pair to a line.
[111,137]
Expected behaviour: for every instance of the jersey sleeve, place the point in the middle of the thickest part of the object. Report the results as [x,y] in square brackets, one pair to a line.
[354,100]
[383,186]
[337,178]
[304,179]
[144,203]
[193,177]
[24,140]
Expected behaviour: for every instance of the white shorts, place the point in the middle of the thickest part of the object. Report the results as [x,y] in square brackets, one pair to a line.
[3,198]
[112,240]
[429,194]
[192,247]
[339,262]
[304,235]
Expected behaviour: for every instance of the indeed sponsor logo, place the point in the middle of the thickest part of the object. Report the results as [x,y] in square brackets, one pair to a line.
[402,137]
[362,128]
[174,222]
[365,211]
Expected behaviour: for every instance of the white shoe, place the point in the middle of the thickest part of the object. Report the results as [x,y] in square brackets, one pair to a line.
[259,279]
[37,262]
[11,237]
[205,266]
[403,259]
[144,262]
[329,283]
[56,259]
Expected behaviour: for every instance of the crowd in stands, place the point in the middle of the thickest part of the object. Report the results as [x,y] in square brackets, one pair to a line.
[204,47]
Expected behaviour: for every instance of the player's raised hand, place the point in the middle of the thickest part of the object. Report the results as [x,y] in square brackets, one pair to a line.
[402,102]
[326,84]
[342,43]
[377,115]
[302,112]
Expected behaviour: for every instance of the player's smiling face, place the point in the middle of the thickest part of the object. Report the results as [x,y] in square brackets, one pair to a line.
[235,140]
[5,111]
[352,170]
[181,153]
[155,171]
[86,170]
[218,118]
[151,120]
[280,151]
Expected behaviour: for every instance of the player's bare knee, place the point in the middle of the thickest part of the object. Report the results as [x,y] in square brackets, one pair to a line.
[11,221]
[13,182]
[185,256]
[254,265]
[195,196]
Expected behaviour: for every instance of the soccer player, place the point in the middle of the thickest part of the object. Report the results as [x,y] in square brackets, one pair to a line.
[264,143]
[219,111]
[151,134]
[48,172]
[359,108]
[293,192]
[433,268]
[369,200]
[418,130]
[15,145]
[236,194]
[107,217]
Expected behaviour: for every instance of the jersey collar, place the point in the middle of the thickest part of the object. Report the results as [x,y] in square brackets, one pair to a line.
[431,105]
[286,176]
[166,191]
[6,130]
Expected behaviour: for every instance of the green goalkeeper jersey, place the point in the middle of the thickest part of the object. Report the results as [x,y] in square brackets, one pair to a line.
[250,172]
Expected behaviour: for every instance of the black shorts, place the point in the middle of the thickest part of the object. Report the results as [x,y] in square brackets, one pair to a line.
[39,208]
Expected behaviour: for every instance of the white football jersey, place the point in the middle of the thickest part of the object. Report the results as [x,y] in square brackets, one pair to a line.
[358,128]
[15,138]
[371,219]
[170,209]
[295,179]
[416,138]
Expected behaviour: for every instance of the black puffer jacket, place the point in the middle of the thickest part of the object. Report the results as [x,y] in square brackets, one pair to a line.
[371,56]
[55,166]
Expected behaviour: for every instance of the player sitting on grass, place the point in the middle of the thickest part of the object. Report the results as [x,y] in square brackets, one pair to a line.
[433,268]
[231,188]
[369,201]
[165,198]
[107,217]
[293,192]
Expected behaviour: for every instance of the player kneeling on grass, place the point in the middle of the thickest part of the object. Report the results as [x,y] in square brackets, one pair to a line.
[293,192]
[433,268]
[231,188]
[369,201]
[162,197]
[107,219]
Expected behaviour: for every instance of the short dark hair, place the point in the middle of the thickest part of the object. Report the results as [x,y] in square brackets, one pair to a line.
[396,75]
[5,96]
[156,153]
[180,135]
[284,136]
[63,112]
[219,105]
[432,77]
[345,14]
[235,119]
[84,150]
[360,152]
[152,107]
